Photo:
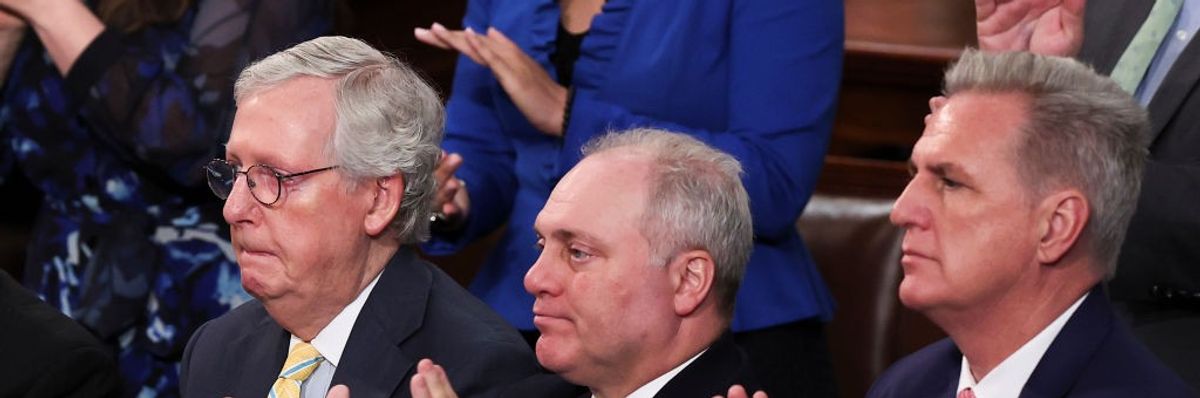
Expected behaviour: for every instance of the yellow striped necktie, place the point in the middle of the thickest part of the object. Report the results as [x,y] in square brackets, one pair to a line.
[301,361]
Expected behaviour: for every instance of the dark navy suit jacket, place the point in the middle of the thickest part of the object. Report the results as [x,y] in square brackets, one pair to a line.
[1094,355]
[722,365]
[415,311]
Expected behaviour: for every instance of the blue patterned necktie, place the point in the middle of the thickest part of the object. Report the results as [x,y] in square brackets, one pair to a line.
[1134,63]
[301,361]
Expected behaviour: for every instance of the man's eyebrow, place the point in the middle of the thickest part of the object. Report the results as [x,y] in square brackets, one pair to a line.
[568,235]
[943,169]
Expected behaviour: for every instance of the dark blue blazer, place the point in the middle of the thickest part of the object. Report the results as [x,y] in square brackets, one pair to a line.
[721,366]
[1094,355]
[415,311]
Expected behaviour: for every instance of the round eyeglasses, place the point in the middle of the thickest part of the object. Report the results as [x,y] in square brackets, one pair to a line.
[265,182]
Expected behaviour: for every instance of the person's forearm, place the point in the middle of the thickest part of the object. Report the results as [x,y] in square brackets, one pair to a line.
[9,41]
[65,27]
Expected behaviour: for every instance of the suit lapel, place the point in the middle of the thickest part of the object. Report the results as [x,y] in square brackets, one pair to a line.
[1175,88]
[1072,349]
[941,378]
[373,362]
[1105,42]
[262,351]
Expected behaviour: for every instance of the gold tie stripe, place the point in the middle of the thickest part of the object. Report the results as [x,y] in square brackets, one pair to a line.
[301,361]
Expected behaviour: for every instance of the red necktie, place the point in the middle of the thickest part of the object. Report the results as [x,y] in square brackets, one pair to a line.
[966,393]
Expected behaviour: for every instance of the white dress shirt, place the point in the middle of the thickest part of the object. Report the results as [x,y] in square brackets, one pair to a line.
[330,342]
[649,389]
[1009,377]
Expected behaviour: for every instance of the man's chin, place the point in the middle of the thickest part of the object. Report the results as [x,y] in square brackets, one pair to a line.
[913,296]
[552,356]
[256,287]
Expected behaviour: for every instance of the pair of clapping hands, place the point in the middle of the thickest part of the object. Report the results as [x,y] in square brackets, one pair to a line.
[542,100]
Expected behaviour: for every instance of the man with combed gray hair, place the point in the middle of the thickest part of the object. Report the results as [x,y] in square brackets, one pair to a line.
[1023,183]
[334,144]
[643,246]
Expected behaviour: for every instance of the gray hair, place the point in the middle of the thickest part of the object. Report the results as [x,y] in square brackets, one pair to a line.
[697,201]
[1083,131]
[389,120]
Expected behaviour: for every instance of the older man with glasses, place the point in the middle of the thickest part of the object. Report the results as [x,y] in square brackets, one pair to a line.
[336,145]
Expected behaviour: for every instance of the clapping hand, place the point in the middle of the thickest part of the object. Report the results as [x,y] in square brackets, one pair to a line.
[1050,27]
[430,381]
[540,98]
[737,391]
[451,199]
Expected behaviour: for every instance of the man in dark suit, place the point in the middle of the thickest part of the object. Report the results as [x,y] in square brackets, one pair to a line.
[643,246]
[1024,182]
[1158,288]
[334,145]
[46,354]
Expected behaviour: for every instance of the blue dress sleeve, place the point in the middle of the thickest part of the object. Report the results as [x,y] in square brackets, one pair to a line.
[785,68]
[476,132]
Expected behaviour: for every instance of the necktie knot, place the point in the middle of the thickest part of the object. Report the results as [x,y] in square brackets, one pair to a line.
[301,361]
[966,393]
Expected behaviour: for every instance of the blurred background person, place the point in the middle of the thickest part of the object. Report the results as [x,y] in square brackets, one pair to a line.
[535,80]
[110,109]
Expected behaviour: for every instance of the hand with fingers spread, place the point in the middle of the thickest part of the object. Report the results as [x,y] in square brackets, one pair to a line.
[446,39]
[1050,27]
[542,100]
[430,381]
[737,391]
[451,199]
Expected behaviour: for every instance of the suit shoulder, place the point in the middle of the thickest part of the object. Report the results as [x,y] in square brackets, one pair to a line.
[452,305]
[241,319]
[1123,364]
[471,341]
[85,371]
[929,367]
[47,352]
[244,320]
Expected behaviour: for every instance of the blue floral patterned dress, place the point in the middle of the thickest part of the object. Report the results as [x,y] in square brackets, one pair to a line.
[129,241]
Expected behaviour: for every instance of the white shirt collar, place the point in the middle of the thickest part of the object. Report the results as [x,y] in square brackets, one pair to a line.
[331,340]
[649,389]
[1009,377]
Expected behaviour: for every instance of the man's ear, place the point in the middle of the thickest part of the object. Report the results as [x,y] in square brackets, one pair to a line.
[1063,216]
[692,273]
[388,193]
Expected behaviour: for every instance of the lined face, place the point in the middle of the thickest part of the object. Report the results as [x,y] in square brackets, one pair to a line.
[306,245]
[599,300]
[970,229]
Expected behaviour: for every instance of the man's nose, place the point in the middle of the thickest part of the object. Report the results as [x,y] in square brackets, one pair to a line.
[540,279]
[240,203]
[908,210]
